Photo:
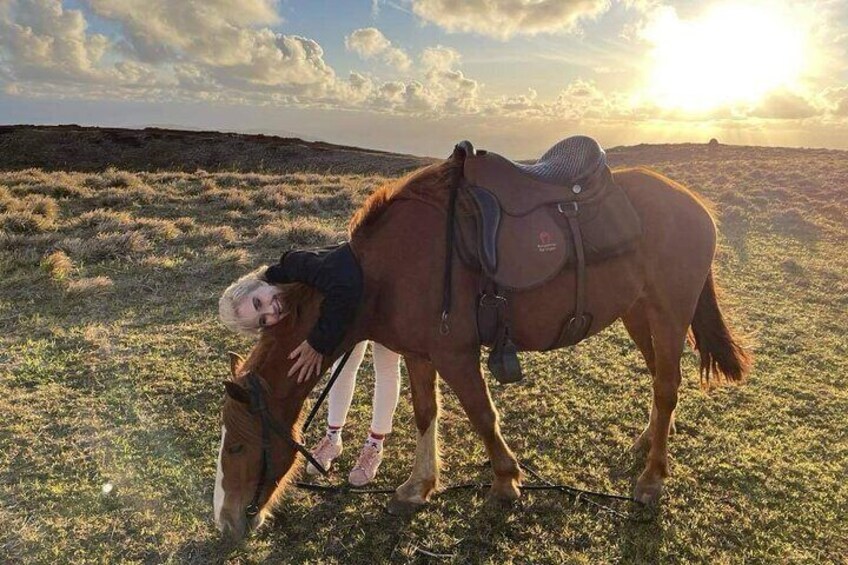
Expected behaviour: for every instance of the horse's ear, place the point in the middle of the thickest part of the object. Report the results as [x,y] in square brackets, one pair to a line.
[237,392]
[236,361]
[462,150]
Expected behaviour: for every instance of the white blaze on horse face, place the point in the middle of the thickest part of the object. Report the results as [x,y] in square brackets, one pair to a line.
[218,500]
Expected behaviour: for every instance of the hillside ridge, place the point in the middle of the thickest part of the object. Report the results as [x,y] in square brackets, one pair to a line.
[70,147]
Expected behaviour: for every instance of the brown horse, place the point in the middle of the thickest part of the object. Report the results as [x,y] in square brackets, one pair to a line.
[659,290]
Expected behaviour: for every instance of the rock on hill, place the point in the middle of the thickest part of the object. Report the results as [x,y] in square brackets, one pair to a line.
[76,148]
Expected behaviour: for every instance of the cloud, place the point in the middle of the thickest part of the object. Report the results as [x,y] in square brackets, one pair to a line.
[370,42]
[227,40]
[505,19]
[784,105]
[43,41]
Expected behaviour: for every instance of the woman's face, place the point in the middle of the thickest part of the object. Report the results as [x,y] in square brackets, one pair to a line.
[261,308]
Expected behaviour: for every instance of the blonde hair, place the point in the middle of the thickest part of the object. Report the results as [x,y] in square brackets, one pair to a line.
[231,298]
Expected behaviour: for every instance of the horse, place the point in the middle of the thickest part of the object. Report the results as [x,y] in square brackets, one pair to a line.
[664,291]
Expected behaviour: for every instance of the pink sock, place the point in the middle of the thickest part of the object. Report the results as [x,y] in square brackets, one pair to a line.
[376,440]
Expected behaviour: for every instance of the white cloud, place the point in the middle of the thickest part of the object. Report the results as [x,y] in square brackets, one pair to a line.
[370,42]
[784,105]
[503,19]
[43,41]
[229,41]
[213,32]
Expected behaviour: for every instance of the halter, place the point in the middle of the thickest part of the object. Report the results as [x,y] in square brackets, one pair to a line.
[260,407]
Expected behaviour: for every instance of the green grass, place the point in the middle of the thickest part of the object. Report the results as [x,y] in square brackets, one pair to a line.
[111,360]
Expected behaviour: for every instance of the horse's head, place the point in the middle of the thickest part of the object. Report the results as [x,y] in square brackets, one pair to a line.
[260,427]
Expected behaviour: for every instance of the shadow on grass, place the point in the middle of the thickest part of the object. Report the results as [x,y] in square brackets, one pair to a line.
[324,529]
[212,551]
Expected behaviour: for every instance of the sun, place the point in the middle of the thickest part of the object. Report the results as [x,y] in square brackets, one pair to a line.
[731,54]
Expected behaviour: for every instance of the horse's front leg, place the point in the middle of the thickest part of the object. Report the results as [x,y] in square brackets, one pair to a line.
[462,373]
[424,479]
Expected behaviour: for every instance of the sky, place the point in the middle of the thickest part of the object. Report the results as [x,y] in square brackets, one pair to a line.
[417,76]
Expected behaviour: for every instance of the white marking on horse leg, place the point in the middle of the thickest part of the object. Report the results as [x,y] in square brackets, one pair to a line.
[218,500]
[425,471]
[427,465]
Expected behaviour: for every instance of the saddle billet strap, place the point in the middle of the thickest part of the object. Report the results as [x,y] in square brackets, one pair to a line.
[491,313]
[578,325]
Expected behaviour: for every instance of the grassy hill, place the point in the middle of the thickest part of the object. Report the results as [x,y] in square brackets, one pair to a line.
[111,360]
[75,148]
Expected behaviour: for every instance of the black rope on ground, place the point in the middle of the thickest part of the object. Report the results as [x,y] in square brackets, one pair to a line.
[579,495]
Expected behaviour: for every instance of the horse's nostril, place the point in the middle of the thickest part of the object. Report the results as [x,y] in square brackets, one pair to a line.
[232,528]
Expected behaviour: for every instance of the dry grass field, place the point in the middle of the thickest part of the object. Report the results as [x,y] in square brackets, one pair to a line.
[111,361]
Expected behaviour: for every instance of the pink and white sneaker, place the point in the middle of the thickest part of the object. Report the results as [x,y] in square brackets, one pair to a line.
[324,453]
[366,467]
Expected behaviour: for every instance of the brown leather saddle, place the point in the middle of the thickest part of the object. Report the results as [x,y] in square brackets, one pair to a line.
[521,225]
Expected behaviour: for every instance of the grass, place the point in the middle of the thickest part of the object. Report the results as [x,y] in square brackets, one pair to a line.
[111,360]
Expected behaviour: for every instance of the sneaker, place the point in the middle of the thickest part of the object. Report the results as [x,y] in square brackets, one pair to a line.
[366,467]
[324,453]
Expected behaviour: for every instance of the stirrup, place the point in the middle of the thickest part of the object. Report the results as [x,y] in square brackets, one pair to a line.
[503,363]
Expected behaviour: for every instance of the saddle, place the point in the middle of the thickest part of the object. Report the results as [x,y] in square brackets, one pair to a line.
[521,225]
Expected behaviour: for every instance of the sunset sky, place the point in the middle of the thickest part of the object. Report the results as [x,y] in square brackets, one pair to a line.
[419,75]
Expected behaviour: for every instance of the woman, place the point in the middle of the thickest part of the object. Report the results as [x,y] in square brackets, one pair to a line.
[255,301]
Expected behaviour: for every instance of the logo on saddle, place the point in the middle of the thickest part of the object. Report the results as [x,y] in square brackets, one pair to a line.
[546,242]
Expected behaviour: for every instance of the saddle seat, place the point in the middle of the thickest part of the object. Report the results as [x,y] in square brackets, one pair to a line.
[565,168]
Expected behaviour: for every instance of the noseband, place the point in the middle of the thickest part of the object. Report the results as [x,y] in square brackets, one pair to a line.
[260,407]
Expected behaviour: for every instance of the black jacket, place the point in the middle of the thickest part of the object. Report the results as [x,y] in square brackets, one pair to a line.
[336,273]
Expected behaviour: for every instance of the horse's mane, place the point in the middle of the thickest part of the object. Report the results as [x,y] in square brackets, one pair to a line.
[429,184]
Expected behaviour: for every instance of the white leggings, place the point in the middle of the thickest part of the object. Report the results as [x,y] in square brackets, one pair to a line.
[386,388]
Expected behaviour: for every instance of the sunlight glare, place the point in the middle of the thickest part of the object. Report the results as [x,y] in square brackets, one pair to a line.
[734,53]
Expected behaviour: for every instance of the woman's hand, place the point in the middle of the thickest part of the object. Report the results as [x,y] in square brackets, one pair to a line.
[307,362]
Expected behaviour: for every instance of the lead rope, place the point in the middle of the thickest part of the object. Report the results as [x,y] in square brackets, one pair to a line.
[579,495]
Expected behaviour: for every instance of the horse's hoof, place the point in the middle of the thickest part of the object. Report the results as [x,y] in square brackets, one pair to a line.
[400,507]
[504,495]
[648,493]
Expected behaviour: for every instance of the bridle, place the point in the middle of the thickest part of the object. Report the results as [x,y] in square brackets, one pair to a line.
[259,406]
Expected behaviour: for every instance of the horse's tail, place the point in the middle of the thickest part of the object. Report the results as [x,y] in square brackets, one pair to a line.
[722,353]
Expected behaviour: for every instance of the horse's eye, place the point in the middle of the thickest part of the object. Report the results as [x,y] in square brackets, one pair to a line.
[235,449]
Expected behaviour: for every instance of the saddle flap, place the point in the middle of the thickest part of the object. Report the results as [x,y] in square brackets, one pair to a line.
[532,249]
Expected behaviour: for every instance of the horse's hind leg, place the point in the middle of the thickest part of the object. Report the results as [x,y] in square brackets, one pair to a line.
[668,339]
[425,472]
[636,324]
[464,376]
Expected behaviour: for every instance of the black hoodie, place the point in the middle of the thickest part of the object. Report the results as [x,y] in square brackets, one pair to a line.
[336,273]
